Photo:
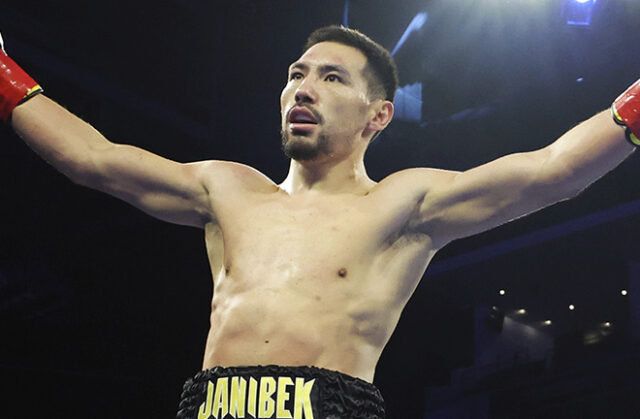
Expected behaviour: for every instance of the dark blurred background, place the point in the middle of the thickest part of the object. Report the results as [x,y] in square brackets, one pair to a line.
[104,310]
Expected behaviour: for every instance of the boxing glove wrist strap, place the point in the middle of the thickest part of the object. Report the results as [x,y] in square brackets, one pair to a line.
[16,87]
[626,112]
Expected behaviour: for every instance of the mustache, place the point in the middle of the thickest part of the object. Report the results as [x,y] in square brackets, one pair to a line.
[316,115]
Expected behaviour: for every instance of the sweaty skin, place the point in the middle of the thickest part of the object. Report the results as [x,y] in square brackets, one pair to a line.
[313,279]
[317,269]
[314,271]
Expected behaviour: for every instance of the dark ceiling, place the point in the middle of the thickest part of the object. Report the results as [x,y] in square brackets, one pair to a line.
[91,288]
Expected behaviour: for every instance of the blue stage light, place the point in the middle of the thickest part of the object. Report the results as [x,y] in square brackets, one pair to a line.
[408,102]
[578,12]
[416,24]
[345,14]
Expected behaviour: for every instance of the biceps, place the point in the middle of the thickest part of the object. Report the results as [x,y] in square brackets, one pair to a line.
[162,188]
[490,195]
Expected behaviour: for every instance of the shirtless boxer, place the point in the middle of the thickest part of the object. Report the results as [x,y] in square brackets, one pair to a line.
[311,275]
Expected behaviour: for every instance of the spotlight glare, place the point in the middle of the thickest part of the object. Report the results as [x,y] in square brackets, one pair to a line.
[408,102]
[547,322]
[521,311]
[578,12]
[572,307]
[502,292]
[623,292]
[416,24]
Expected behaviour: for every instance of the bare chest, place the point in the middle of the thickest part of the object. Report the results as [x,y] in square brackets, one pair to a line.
[289,237]
[333,248]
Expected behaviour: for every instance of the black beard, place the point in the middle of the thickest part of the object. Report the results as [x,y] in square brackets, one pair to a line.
[300,151]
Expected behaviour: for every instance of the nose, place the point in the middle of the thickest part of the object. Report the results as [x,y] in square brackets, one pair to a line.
[305,92]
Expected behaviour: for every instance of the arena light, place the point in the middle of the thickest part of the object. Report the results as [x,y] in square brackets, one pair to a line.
[408,102]
[345,14]
[578,12]
[416,24]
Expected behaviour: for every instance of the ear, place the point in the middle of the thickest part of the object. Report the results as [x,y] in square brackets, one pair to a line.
[382,117]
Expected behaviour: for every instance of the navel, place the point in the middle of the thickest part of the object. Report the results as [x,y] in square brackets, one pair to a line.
[342,272]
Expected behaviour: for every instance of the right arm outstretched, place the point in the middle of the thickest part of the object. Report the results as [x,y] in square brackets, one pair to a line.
[165,189]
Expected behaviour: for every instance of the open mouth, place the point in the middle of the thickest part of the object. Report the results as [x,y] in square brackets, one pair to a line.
[300,117]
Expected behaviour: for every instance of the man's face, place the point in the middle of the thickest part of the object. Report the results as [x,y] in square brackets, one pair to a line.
[325,102]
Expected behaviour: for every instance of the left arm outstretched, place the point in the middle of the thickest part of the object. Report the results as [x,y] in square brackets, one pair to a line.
[460,204]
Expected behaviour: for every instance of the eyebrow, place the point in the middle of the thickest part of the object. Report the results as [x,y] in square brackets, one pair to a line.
[325,68]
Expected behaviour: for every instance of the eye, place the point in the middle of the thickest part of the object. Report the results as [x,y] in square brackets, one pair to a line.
[295,76]
[333,77]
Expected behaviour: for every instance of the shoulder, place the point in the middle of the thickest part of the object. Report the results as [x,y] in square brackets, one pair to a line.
[415,181]
[403,193]
[221,175]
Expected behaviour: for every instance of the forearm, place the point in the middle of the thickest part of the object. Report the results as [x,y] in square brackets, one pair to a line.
[58,136]
[163,188]
[586,153]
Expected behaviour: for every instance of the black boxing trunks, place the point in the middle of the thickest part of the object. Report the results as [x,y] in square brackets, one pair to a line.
[272,391]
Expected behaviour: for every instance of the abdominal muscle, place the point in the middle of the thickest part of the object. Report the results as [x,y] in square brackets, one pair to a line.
[264,326]
[307,287]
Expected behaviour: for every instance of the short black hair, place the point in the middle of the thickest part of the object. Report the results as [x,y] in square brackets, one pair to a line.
[380,72]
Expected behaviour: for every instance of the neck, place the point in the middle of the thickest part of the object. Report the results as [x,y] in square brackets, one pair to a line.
[348,175]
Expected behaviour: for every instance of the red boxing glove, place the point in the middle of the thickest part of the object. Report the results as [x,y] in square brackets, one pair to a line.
[16,86]
[626,112]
